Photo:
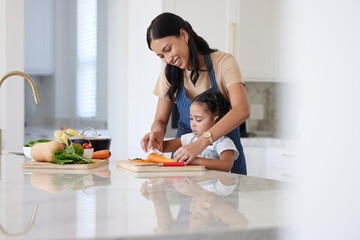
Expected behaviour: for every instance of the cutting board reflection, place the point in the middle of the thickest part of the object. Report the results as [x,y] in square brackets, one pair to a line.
[47,165]
[138,167]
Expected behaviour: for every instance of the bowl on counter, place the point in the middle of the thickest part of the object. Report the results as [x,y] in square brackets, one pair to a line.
[95,140]
[26,151]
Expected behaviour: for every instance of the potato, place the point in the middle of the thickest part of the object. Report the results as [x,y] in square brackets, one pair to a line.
[44,182]
[43,152]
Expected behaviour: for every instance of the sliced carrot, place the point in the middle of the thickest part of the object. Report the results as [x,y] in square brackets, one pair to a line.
[152,157]
[101,154]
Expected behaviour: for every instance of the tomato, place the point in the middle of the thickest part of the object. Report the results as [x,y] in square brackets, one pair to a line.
[87,147]
[73,143]
[85,144]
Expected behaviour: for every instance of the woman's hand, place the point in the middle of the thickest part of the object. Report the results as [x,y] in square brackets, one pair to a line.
[152,140]
[153,191]
[155,138]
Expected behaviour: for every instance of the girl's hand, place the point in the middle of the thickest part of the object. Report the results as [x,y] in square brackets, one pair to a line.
[188,152]
[188,187]
[152,140]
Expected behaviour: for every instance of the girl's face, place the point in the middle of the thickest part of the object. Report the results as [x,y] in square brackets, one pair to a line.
[173,50]
[201,119]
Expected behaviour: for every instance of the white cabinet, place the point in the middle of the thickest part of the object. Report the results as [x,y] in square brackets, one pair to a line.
[246,28]
[39,31]
[255,161]
[208,18]
[270,158]
[281,164]
[257,40]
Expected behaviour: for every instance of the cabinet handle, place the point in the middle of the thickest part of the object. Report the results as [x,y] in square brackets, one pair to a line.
[288,175]
[233,38]
[288,155]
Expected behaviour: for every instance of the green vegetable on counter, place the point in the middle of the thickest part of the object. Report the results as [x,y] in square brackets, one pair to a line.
[32,143]
[73,182]
[73,154]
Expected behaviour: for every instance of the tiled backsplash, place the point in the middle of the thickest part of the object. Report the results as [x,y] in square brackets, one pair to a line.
[262,94]
[266,95]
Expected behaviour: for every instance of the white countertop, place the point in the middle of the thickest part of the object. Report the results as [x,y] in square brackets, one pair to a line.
[110,203]
[267,142]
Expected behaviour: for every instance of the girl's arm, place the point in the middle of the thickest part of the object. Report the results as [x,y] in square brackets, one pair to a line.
[238,114]
[154,139]
[224,163]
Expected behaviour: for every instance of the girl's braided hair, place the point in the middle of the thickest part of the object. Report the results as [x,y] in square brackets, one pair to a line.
[215,102]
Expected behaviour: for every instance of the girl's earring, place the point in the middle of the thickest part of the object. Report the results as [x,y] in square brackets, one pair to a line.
[187,41]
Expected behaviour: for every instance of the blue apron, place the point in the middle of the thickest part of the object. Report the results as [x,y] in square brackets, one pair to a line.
[183,105]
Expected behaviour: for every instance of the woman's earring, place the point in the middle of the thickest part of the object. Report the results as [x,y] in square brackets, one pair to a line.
[187,41]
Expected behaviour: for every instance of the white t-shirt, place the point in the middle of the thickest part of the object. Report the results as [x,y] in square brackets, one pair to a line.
[217,187]
[213,152]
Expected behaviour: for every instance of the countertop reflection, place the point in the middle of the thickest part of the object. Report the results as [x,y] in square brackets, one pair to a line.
[112,203]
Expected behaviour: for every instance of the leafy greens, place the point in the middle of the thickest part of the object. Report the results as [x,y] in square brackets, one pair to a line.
[73,154]
[32,142]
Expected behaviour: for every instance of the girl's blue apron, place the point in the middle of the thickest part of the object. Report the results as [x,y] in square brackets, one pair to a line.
[183,105]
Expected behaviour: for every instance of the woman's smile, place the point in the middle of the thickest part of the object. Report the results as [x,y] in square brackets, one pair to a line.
[172,50]
[178,62]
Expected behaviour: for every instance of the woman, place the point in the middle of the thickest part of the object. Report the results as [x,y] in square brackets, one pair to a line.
[192,67]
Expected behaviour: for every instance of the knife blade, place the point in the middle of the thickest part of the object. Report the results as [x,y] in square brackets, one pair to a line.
[156,151]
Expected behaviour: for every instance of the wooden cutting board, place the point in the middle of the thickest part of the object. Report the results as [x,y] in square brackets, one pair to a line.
[146,175]
[64,171]
[47,165]
[141,167]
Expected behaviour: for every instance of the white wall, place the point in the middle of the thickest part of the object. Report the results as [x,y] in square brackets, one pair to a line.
[325,57]
[131,104]
[12,90]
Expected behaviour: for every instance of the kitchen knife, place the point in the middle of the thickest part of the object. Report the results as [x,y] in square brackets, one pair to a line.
[156,151]
[170,164]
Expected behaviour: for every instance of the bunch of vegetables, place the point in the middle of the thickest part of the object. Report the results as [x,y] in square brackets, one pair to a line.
[58,152]
[73,154]
[62,136]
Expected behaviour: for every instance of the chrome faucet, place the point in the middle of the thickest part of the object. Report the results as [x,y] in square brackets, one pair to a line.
[31,82]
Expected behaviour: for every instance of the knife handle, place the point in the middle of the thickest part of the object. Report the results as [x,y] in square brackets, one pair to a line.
[169,164]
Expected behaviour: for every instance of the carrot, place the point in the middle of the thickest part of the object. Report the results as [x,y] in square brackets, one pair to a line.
[152,157]
[101,154]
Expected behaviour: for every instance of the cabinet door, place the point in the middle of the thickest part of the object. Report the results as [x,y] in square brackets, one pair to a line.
[39,30]
[208,18]
[255,161]
[246,28]
[281,164]
[257,40]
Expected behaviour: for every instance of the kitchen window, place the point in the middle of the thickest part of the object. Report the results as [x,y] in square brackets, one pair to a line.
[86,72]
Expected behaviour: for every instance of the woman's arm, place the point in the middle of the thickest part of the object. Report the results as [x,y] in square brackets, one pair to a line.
[238,114]
[224,163]
[154,139]
[171,145]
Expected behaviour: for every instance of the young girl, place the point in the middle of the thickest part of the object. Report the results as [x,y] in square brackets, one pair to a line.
[205,110]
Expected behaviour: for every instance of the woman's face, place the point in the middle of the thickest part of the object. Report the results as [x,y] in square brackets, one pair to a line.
[201,119]
[173,50]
